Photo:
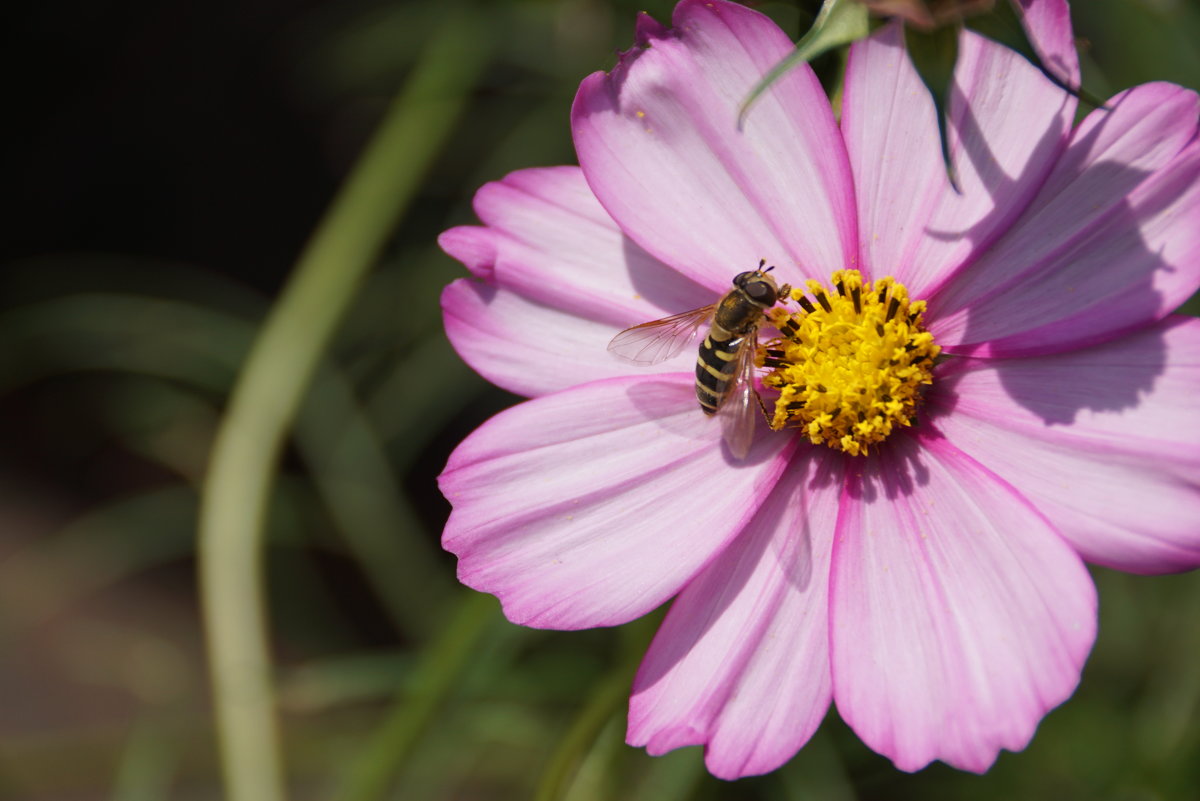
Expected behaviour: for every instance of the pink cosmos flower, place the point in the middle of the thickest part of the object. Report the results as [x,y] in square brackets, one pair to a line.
[934,588]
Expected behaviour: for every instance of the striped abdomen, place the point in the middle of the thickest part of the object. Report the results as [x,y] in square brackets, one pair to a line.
[716,367]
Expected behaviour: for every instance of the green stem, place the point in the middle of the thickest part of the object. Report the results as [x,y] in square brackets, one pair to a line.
[273,383]
[148,762]
[439,671]
[606,700]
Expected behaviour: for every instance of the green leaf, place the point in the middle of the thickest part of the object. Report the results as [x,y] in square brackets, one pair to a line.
[933,55]
[1003,25]
[838,23]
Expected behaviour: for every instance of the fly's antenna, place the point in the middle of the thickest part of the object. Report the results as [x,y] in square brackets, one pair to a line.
[762,262]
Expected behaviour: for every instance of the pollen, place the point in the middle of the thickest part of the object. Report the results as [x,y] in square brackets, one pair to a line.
[851,366]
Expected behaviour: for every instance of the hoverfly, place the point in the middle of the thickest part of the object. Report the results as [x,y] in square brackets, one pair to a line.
[725,365]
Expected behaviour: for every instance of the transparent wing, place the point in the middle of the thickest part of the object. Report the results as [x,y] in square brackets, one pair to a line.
[657,341]
[740,409]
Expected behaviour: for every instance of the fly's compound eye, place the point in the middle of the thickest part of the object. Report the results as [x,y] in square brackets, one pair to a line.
[761,292]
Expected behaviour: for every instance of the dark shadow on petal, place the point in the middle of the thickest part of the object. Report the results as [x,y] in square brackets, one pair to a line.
[695,425]
[764,448]
[894,469]
[968,145]
[1058,396]
[810,469]
[1058,399]
[745,552]
[665,287]
[973,146]
[648,397]
[816,468]
[1056,405]
[1054,399]
[739,560]
[998,183]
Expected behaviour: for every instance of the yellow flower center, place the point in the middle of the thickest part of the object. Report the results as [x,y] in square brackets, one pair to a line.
[849,368]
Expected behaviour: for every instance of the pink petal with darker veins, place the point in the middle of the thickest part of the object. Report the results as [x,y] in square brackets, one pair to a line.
[1048,25]
[1103,441]
[474,246]
[1008,124]
[741,663]
[561,281]
[551,242]
[1111,243]
[582,508]
[532,349]
[959,615]
[659,142]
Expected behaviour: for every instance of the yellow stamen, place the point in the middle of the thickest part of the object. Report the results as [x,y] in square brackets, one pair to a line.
[850,367]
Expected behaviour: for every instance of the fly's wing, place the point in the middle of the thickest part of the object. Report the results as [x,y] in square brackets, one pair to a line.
[657,341]
[740,409]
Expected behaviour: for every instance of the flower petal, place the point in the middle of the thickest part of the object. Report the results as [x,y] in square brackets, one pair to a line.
[592,506]
[474,246]
[562,280]
[1111,243]
[549,239]
[659,142]
[1048,25]
[1007,125]
[1103,441]
[532,349]
[741,662]
[959,616]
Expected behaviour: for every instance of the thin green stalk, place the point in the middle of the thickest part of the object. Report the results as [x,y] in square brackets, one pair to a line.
[272,384]
[148,763]
[337,439]
[439,670]
[605,700]
[363,496]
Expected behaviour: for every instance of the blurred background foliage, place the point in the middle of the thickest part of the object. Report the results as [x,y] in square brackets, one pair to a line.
[170,162]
